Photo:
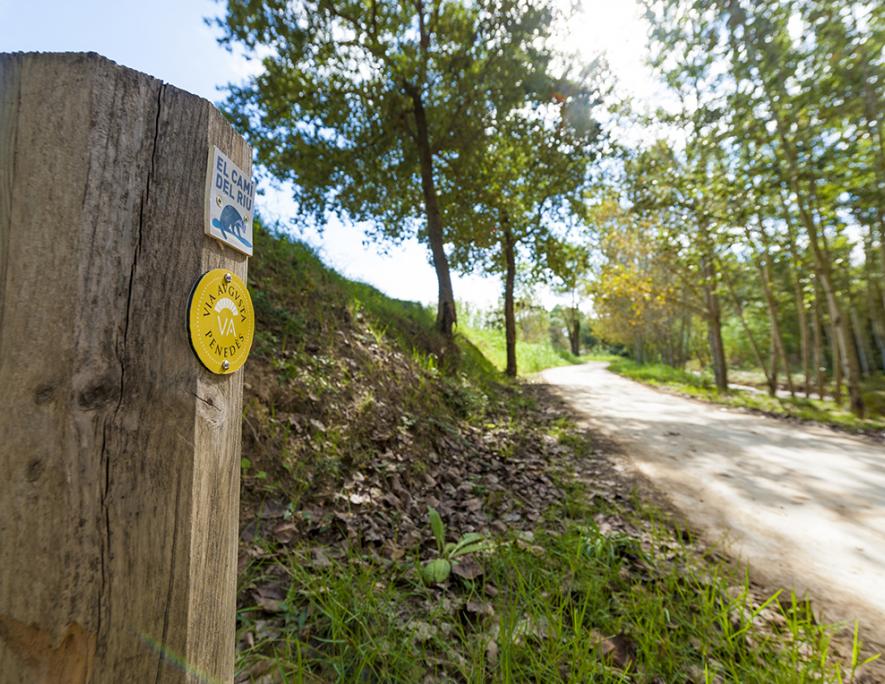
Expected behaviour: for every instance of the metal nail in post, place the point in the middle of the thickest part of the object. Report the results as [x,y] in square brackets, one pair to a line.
[227,277]
[225,364]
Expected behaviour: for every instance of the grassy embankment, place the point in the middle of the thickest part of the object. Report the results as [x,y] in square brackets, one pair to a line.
[531,357]
[358,418]
[800,408]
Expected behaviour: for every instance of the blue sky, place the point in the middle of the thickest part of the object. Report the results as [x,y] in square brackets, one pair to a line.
[168,39]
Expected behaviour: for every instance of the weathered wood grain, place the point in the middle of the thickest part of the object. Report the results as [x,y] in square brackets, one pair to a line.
[119,452]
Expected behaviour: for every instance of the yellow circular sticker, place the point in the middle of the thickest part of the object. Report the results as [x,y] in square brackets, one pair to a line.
[221,321]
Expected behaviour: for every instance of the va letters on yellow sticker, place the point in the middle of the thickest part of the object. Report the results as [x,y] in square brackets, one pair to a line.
[228,307]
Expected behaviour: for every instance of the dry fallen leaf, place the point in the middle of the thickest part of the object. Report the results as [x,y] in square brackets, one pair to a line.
[285,532]
[255,670]
[492,652]
[273,509]
[319,558]
[468,569]
[619,649]
[480,608]
[270,605]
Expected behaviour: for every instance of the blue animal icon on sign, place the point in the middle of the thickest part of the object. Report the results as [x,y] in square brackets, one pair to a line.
[231,223]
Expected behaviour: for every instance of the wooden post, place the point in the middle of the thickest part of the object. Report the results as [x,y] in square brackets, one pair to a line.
[119,452]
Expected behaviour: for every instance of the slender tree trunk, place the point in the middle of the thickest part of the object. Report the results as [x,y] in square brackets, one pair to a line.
[803,334]
[717,351]
[875,300]
[445,313]
[712,309]
[685,337]
[509,286]
[848,355]
[818,345]
[714,326]
[777,340]
[841,327]
[574,332]
[757,354]
[798,295]
[772,359]
[860,341]
[836,353]
[878,324]
[573,324]
[681,346]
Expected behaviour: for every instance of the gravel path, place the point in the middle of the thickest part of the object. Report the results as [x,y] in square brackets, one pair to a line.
[804,505]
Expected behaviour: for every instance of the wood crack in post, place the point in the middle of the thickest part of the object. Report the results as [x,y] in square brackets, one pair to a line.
[175,522]
[105,549]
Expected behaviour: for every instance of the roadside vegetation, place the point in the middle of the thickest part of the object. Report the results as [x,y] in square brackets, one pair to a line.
[360,418]
[531,357]
[808,409]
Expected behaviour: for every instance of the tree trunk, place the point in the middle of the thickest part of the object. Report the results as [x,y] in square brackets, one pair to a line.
[848,356]
[684,338]
[717,351]
[772,360]
[777,339]
[798,296]
[803,332]
[574,332]
[860,341]
[818,345]
[878,323]
[714,326]
[509,285]
[778,350]
[445,313]
[836,353]
[757,354]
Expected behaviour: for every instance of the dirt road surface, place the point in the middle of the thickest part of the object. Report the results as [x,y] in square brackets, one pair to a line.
[804,505]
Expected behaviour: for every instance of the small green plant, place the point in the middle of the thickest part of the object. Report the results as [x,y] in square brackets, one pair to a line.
[437,570]
[856,662]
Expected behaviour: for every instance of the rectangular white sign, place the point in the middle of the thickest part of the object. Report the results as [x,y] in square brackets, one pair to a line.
[230,202]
